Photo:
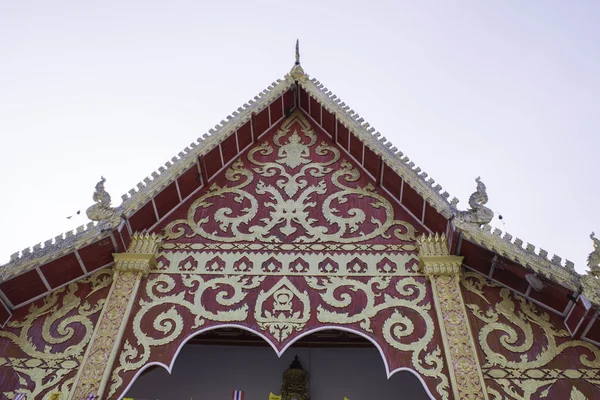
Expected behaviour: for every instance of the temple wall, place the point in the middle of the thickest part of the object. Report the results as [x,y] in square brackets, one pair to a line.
[43,344]
[395,313]
[205,372]
[525,351]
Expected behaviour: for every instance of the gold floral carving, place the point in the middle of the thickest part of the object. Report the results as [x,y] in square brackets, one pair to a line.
[443,271]
[398,329]
[160,290]
[59,314]
[287,263]
[520,366]
[130,267]
[283,317]
[290,200]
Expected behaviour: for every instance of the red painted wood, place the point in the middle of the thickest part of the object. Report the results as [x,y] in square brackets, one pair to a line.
[261,122]
[276,110]
[144,218]
[412,201]
[212,161]
[23,287]
[229,148]
[391,181]
[244,134]
[288,101]
[97,254]
[62,270]
[356,148]
[167,199]
[328,122]
[342,135]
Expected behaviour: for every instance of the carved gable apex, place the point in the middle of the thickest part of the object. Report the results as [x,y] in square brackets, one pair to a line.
[294,188]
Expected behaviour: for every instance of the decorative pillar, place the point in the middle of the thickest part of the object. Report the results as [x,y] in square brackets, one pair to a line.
[129,269]
[443,270]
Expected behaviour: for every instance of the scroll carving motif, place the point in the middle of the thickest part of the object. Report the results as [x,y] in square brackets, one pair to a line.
[512,329]
[291,199]
[405,298]
[168,324]
[66,318]
[278,245]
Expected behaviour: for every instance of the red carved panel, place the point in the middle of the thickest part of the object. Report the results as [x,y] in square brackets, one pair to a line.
[320,188]
[43,344]
[178,323]
[291,238]
[524,349]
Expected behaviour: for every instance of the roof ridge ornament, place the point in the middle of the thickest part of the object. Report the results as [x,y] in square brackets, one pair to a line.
[591,281]
[102,210]
[593,260]
[297,72]
[478,214]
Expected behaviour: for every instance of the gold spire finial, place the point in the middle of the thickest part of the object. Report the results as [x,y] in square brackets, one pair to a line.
[297,72]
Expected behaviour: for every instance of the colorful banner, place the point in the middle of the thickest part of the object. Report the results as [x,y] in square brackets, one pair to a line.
[238,395]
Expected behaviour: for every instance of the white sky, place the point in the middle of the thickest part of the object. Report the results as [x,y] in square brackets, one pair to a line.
[506,90]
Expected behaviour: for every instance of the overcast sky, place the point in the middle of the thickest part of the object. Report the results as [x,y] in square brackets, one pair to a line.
[505,90]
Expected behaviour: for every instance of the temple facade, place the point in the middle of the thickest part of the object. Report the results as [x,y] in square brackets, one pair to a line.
[293,251]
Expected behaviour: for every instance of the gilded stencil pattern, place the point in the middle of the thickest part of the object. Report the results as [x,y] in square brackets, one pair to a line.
[469,383]
[280,263]
[106,334]
[523,370]
[291,198]
[292,218]
[161,293]
[399,329]
[61,313]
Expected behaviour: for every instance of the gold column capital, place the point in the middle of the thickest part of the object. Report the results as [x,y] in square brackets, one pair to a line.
[434,258]
[141,255]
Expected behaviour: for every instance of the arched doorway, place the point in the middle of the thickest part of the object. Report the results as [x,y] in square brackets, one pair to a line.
[213,364]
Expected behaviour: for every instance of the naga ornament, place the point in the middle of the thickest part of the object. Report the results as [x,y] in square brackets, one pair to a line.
[102,211]
[591,281]
[479,214]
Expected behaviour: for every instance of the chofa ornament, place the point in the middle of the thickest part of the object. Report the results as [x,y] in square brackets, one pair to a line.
[479,214]
[591,281]
[102,210]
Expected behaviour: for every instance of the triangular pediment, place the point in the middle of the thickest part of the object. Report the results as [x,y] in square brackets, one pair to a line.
[293,188]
